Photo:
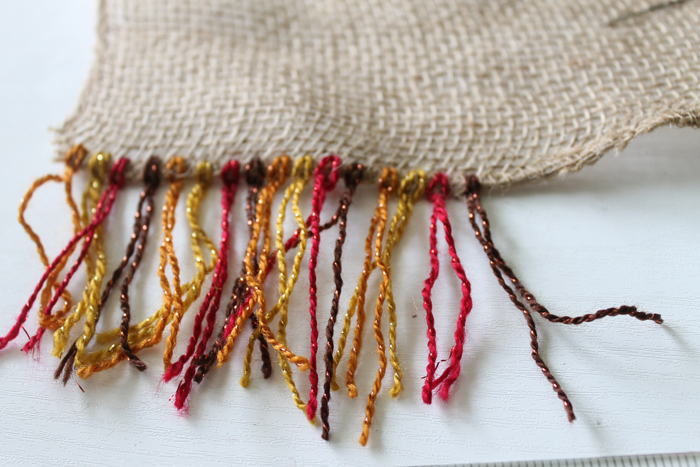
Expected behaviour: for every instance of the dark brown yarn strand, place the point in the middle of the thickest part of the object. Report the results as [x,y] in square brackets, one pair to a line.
[499,267]
[151,179]
[353,177]
[66,365]
[240,288]
[255,177]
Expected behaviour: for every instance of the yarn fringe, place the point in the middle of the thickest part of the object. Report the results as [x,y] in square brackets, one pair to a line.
[247,301]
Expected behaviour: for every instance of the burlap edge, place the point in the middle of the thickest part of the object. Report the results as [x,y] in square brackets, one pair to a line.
[573,159]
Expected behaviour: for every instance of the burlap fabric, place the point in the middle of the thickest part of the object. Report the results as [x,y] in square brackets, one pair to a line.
[510,90]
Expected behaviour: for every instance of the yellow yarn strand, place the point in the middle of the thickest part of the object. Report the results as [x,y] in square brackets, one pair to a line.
[412,187]
[357,301]
[277,174]
[356,305]
[302,174]
[149,332]
[193,289]
[74,158]
[411,190]
[383,260]
[96,265]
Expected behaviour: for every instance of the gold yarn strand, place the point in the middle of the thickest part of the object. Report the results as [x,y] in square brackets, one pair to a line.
[357,304]
[411,189]
[302,172]
[277,174]
[149,332]
[193,289]
[383,260]
[96,261]
[73,159]
[357,301]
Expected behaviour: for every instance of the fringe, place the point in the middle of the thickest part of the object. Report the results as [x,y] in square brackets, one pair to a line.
[247,302]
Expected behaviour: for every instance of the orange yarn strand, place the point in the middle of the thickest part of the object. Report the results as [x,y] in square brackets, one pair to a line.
[388,184]
[149,332]
[277,174]
[73,159]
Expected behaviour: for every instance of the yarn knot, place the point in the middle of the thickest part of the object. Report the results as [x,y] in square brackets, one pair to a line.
[255,173]
[328,170]
[116,174]
[75,157]
[151,172]
[99,165]
[353,175]
[205,173]
[473,184]
[175,169]
[229,173]
[278,171]
[440,183]
[388,180]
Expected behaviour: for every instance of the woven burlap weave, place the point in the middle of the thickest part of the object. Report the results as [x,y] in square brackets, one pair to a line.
[510,90]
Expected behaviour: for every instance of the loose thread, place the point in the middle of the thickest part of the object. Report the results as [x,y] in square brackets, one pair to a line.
[325,179]
[356,305]
[255,175]
[353,177]
[73,159]
[301,174]
[256,283]
[277,174]
[95,261]
[438,190]
[103,208]
[499,267]
[229,175]
[411,189]
[149,331]
[152,180]
[387,186]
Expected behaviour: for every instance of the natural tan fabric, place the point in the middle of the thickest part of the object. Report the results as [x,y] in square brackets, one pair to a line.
[511,90]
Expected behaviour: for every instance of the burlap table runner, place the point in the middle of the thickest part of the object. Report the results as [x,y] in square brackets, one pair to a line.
[510,91]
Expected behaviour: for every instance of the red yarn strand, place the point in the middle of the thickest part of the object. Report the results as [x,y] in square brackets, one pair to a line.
[437,194]
[325,178]
[229,175]
[103,209]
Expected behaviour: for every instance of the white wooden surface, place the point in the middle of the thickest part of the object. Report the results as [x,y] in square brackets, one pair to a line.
[621,232]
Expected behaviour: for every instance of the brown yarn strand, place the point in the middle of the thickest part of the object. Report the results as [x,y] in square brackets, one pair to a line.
[255,177]
[240,289]
[353,177]
[499,267]
[67,363]
[151,178]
